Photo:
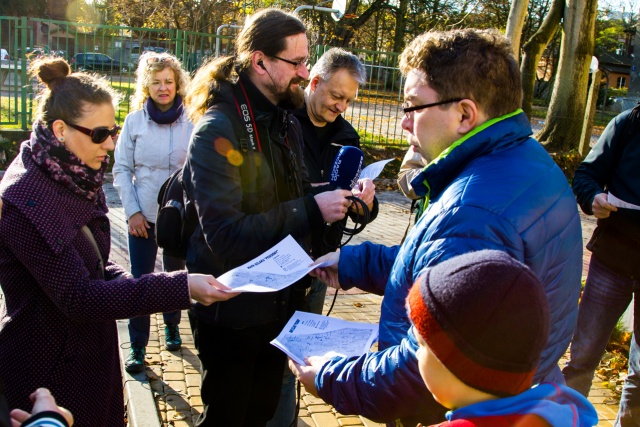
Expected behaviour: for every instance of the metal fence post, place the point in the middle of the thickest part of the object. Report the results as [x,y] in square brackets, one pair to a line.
[23,72]
[179,44]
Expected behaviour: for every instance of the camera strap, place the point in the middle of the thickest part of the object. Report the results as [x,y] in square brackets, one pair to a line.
[246,115]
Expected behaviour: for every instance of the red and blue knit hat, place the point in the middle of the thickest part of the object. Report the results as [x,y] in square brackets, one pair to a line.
[485,316]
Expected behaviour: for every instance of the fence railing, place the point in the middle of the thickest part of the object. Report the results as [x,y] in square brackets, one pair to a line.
[114,52]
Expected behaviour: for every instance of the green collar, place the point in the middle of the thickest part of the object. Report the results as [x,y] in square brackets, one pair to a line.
[457,143]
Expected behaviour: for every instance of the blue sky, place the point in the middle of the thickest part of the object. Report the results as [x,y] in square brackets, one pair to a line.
[619,5]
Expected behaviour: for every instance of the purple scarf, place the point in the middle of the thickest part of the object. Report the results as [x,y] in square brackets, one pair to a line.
[64,167]
[165,117]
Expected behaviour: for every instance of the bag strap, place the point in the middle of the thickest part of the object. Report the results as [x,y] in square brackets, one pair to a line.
[89,235]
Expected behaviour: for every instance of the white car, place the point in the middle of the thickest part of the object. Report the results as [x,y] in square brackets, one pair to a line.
[4,54]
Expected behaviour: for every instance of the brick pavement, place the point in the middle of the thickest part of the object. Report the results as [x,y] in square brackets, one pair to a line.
[174,377]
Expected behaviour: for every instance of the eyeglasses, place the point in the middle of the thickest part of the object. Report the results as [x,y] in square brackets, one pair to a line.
[98,135]
[408,110]
[295,64]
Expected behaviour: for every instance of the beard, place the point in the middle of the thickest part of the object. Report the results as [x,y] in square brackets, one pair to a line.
[291,97]
[296,96]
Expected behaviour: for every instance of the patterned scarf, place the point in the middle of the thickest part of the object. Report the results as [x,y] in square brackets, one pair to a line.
[165,117]
[64,167]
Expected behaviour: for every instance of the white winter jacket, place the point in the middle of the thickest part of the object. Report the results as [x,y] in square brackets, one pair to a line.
[145,155]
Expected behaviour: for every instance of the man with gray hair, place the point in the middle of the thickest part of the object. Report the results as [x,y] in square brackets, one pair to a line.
[333,84]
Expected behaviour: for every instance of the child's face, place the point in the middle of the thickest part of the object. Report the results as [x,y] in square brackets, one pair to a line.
[439,380]
[445,387]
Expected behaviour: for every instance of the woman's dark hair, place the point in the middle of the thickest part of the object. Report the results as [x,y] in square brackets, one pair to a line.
[66,95]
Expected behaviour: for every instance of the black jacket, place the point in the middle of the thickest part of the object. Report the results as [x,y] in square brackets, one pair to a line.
[246,200]
[612,166]
[319,155]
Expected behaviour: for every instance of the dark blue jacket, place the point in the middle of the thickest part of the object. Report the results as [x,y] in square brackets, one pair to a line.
[612,167]
[496,188]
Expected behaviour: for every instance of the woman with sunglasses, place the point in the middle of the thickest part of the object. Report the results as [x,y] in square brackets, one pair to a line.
[152,145]
[62,295]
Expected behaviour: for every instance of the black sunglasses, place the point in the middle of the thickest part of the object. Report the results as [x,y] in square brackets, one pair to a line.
[98,135]
[407,110]
[295,64]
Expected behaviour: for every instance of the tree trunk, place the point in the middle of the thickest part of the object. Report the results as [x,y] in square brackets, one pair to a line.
[562,129]
[351,22]
[515,23]
[533,49]
[398,37]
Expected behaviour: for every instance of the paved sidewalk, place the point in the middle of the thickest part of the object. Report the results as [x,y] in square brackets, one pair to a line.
[174,377]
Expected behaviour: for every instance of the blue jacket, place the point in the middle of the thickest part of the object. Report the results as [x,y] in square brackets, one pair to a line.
[558,405]
[496,188]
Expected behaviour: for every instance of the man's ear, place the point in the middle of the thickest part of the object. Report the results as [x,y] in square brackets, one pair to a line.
[470,117]
[313,83]
[257,62]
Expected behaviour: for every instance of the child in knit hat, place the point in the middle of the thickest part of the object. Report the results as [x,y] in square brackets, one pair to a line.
[482,320]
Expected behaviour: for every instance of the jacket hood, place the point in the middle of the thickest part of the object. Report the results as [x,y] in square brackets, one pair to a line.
[494,135]
[559,405]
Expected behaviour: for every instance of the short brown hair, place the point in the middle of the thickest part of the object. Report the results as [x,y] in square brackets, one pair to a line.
[470,63]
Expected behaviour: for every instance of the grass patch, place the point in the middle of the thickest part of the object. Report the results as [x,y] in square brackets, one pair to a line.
[10,109]
[368,138]
[374,153]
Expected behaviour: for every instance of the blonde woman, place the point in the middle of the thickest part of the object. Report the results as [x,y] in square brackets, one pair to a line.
[153,144]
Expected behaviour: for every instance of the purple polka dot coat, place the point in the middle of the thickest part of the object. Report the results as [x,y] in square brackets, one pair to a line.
[57,317]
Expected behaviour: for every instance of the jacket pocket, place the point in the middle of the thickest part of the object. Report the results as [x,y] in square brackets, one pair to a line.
[615,250]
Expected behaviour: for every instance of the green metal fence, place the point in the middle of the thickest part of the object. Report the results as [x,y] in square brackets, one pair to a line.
[375,112]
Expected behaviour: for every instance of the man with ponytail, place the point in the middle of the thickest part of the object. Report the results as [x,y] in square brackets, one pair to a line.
[244,174]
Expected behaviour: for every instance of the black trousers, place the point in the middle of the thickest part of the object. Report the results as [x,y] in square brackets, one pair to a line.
[241,373]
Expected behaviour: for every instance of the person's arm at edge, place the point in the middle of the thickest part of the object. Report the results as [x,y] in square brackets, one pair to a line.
[412,164]
[592,174]
[45,412]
